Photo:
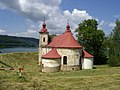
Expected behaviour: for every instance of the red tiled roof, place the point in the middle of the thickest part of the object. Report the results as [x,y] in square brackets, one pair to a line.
[65,40]
[87,55]
[43,30]
[52,54]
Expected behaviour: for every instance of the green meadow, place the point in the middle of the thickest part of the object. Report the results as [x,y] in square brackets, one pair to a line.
[102,77]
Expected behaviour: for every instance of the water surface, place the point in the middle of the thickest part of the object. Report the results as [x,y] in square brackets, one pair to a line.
[20,49]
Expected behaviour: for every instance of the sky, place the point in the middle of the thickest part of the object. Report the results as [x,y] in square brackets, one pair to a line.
[24,18]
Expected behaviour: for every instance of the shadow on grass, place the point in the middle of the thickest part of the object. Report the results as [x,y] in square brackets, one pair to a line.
[94,67]
[6,64]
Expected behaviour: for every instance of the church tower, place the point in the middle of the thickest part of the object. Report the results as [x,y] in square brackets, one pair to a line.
[43,40]
[43,36]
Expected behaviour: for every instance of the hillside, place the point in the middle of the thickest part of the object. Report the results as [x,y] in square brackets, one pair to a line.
[100,78]
[13,41]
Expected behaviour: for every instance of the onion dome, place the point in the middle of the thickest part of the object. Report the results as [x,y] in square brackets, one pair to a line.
[68,28]
[43,30]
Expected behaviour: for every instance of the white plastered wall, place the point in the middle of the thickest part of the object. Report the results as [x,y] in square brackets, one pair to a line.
[73,56]
[51,62]
[87,63]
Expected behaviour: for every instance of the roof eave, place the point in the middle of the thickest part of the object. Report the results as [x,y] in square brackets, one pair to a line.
[65,47]
[51,57]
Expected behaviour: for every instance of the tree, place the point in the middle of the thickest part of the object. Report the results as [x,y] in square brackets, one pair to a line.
[50,37]
[92,39]
[114,46]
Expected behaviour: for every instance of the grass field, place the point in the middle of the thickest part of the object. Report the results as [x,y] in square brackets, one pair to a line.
[100,78]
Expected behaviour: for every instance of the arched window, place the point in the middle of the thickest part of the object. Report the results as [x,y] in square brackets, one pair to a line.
[64,60]
[44,39]
[80,60]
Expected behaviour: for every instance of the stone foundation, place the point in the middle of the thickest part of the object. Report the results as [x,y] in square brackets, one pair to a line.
[50,69]
[69,68]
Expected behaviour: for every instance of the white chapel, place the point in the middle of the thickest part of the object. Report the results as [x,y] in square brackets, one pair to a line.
[62,53]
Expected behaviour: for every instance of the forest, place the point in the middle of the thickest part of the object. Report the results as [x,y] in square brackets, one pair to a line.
[13,41]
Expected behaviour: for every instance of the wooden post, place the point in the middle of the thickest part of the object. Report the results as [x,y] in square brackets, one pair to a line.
[20,71]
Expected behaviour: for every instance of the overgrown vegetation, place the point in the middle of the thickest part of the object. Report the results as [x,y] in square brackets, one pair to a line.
[101,78]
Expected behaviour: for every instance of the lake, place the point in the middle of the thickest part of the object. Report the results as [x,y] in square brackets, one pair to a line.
[10,50]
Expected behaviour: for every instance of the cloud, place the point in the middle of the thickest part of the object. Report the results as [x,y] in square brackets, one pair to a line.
[2,31]
[77,15]
[102,24]
[117,16]
[36,10]
[28,33]
[111,24]
[58,21]
[32,9]
[106,26]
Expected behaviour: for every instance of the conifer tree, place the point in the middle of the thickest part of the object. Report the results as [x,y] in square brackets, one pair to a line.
[114,46]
